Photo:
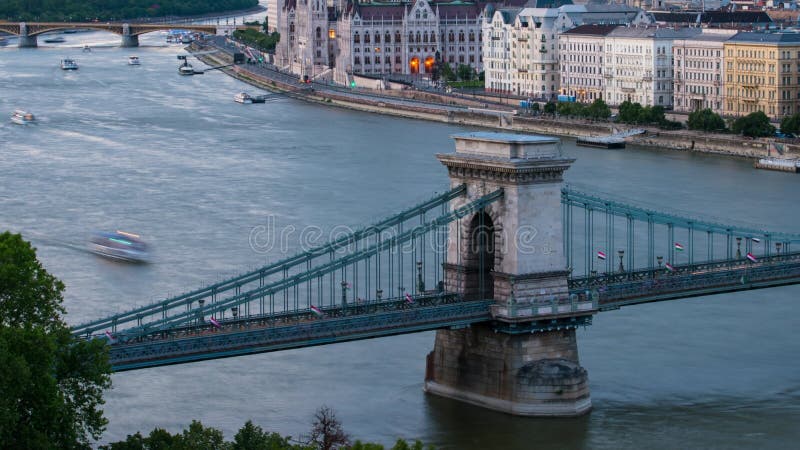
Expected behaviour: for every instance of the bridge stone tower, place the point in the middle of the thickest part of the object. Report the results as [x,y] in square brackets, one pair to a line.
[512,252]
[25,39]
[128,39]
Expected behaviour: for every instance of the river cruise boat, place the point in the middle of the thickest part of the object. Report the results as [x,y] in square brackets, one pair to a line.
[55,40]
[601,142]
[779,164]
[119,245]
[133,61]
[68,64]
[21,117]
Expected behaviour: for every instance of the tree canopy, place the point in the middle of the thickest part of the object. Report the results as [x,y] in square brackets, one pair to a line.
[705,120]
[791,124]
[84,10]
[755,124]
[51,384]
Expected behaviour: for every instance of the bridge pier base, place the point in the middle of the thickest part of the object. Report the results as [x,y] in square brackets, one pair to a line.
[130,40]
[28,42]
[524,374]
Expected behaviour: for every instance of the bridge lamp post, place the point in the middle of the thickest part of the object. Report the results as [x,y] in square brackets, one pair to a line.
[738,248]
[344,294]
[621,254]
[235,312]
[200,304]
[778,246]
[420,281]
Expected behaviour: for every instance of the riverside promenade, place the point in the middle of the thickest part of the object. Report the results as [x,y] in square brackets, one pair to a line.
[466,111]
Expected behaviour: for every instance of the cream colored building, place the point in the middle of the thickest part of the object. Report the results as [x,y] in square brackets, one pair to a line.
[762,73]
[700,71]
[581,61]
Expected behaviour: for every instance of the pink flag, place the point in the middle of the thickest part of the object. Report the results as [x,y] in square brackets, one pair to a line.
[109,336]
[316,310]
[408,298]
[751,257]
[214,322]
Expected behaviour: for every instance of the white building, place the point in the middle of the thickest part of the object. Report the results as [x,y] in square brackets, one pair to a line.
[637,64]
[700,71]
[521,51]
[581,52]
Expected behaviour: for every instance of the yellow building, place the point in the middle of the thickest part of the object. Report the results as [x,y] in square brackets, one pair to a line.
[762,73]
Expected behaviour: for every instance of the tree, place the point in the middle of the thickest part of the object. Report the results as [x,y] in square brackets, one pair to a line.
[326,431]
[791,124]
[464,72]
[51,384]
[705,120]
[753,125]
[550,107]
[252,437]
[598,110]
[447,72]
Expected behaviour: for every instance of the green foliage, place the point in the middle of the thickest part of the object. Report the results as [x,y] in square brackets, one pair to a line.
[791,124]
[447,72]
[263,41]
[465,72]
[86,10]
[634,113]
[51,384]
[753,125]
[550,108]
[466,84]
[705,120]
[252,437]
[598,110]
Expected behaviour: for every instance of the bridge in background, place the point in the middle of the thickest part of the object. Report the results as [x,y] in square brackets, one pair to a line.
[28,31]
[505,265]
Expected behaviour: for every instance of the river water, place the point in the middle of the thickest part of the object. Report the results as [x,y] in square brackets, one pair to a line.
[176,160]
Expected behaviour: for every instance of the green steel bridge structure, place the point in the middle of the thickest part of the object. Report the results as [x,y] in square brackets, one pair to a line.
[388,279]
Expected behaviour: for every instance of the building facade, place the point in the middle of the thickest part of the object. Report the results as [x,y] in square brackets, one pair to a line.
[521,51]
[581,53]
[762,73]
[699,68]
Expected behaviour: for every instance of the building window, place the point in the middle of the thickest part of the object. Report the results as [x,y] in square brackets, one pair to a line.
[356,38]
[377,38]
[366,38]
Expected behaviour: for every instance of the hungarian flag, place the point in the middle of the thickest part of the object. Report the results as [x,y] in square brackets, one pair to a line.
[756,240]
[316,310]
[109,336]
[214,322]
[408,298]
[669,267]
[601,255]
[678,247]
[751,257]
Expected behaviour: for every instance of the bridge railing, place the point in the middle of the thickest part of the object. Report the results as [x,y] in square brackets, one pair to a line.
[317,285]
[137,316]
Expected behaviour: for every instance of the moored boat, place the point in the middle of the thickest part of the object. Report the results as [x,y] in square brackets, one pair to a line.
[779,164]
[601,142]
[119,245]
[133,61]
[186,69]
[242,97]
[55,40]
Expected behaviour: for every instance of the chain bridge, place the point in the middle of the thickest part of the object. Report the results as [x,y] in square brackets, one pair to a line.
[505,265]
[28,31]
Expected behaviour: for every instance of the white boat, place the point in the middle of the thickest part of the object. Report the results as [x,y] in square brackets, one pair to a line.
[119,245]
[21,117]
[68,64]
[243,97]
[186,39]
[186,69]
[133,61]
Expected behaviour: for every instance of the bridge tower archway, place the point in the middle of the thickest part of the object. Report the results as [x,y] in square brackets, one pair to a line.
[510,252]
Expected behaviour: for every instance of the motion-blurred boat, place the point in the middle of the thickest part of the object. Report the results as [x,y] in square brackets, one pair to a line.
[133,61]
[119,245]
[68,64]
[21,117]
[55,40]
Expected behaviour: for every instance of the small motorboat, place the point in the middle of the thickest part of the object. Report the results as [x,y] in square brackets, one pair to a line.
[87,49]
[21,117]
[186,39]
[55,40]
[68,64]
[187,69]
[243,97]
[133,61]
[119,245]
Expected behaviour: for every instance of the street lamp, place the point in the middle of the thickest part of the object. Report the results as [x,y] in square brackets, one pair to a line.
[621,254]
[420,281]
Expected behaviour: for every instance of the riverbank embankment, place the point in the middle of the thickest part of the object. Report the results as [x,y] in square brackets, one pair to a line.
[463,111]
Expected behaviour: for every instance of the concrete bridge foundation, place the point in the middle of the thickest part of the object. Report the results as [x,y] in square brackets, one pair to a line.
[25,40]
[512,252]
[130,40]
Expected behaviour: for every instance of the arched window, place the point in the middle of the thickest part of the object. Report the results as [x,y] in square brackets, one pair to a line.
[397,38]
[410,36]
[471,36]
[418,37]
[377,37]
[451,37]
[460,36]
[433,37]
[425,37]
[387,38]
[356,38]
[291,27]
[366,37]
[319,33]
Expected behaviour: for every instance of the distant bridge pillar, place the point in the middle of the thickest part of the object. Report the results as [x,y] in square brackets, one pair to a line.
[512,252]
[128,39]
[26,40]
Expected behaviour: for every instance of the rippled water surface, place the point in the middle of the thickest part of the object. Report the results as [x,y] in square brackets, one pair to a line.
[175,159]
